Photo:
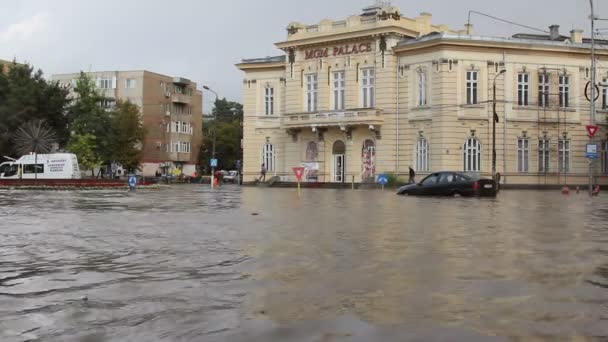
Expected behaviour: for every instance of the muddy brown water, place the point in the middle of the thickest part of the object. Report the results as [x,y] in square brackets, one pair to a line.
[185,263]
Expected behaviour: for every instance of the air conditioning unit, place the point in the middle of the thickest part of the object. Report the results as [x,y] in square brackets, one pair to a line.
[159,144]
[167,94]
[168,113]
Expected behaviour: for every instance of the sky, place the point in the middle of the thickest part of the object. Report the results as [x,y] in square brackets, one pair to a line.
[202,40]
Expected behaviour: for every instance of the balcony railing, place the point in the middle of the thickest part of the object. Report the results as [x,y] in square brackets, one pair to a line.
[368,116]
[181,98]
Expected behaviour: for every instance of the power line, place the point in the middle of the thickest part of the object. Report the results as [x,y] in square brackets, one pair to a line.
[505,21]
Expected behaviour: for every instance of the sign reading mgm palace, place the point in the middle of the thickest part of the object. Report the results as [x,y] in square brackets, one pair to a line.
[344,50]
[378,92]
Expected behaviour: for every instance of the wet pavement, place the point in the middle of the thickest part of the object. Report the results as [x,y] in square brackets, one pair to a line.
[185,263]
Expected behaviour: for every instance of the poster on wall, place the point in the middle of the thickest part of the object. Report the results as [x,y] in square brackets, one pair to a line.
[312,172]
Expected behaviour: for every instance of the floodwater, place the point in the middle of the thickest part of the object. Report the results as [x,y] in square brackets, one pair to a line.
[185,263]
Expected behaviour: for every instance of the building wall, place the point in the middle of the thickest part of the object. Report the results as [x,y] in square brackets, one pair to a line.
[445,121]
[155,95]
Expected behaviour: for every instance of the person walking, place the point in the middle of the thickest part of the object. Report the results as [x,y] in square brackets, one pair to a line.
[412,176]
[262,173]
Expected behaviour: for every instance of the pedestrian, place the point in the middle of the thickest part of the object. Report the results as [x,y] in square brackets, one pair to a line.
[412,176]
[262,173]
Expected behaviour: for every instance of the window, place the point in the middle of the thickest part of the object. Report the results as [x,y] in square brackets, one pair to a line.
[564,155]
[312,92]
[604,157]
[130,83]
[543,155]
[422,155]
[543,90]
[368,86]
[472,155]
[564,91]
[184,147]
[339,88]
[33,168]
[472,87]
[176,129]
[523,89]
[107,104]
[430,180]
[269,100]
[178,89]
[105,83]
[268,157]
[421,88]
[523,155]
[185,127]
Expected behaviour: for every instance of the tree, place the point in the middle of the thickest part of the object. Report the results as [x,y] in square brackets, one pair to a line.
[228,134]
[25,96]
[88,119]
[84,147]
[127,135]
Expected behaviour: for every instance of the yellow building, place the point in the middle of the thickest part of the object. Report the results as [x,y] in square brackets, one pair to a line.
[378,93]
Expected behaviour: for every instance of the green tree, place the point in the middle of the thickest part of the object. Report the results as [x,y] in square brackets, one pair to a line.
[226,123]
[84,147]
[127,135]
[87,118]
[25,96]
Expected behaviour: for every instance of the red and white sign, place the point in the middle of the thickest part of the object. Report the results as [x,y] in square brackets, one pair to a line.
[299,172]
[592,130]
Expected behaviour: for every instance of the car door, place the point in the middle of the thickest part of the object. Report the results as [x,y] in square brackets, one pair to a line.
[428,186]
[446,185]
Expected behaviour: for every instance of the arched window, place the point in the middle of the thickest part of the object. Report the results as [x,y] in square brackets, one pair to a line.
[472,155]
[268,157]
[422,155]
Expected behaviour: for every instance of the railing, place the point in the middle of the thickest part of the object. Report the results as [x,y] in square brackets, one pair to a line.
[181,98]
[351,117]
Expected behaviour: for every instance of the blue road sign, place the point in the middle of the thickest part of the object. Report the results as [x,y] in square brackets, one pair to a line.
[382,179]
[238,164]
[213,162]
[592,151]
[132,181]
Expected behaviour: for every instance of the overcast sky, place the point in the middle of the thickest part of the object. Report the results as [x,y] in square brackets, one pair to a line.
[202,39]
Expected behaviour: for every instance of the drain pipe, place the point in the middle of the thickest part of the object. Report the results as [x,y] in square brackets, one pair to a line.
[397,124]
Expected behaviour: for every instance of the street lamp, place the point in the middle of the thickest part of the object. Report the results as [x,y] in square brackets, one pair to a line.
[494,121]
[213,148]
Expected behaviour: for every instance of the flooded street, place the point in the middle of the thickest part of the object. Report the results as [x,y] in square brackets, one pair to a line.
[185,263]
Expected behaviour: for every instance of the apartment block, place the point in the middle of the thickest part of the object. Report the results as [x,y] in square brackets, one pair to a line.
[171,109]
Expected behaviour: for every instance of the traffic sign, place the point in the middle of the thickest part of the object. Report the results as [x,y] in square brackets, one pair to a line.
[383,179]
[592,130]
[592,151]
[299,172]
[213,162]
[132,181]
[238,164]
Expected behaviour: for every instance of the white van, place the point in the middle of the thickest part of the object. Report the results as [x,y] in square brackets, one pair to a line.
[47,166]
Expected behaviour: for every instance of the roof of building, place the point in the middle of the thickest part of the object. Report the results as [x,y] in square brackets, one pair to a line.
[529,39]
[274,59]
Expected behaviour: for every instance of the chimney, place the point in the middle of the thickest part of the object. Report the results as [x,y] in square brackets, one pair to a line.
[554,29]
[576,36]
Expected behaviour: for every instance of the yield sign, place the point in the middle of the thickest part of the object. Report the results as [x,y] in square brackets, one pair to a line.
[299,172]
[592,130]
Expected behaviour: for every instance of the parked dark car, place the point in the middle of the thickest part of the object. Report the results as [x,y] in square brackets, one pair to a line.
[450,184]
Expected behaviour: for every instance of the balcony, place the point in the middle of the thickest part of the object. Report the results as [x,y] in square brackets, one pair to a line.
[181,98]
[355,117]
[178,156]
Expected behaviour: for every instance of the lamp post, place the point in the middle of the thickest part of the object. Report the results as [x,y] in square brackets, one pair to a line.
[494,121]
[213,148]
[593,85]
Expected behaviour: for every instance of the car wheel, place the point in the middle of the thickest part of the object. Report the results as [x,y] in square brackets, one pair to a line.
[456,194]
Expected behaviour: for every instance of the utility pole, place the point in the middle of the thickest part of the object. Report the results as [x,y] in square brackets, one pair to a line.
[593,85]
[214,129]
[495,119]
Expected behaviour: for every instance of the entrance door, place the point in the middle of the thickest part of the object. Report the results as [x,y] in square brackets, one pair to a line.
[339,168]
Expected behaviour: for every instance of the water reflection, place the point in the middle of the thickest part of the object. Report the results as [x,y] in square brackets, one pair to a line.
[187,263]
